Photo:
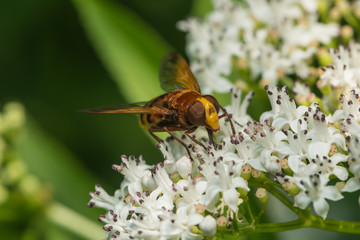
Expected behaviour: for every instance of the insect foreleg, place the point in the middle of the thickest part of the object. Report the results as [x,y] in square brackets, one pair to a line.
[210,134]
[151,131]
[225,114]
[165,129]
[187,133]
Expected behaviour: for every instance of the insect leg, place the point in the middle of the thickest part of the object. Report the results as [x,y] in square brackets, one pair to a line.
[210,134]
[165,129]
[151,131]
[187,133]
[228,117]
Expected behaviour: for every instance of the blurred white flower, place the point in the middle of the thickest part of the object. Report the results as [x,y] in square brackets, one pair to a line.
[345,71]
[272,37]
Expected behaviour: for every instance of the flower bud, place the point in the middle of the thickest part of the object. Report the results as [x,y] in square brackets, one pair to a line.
[148,182]
[285,166]
[273,165]
[208,226]
[346,32]
[199,208]
[340,185]
[333,150]
[184,167]
[258,175]
[290,187]
[221,221]
[246,172]
[262,195]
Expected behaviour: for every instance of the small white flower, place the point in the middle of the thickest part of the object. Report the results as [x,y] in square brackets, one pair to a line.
[133,170]
[349,106]
[315,189]
[266,139]
[318,154]
[181,223]
[283,109]
[238,108]
[192,192]
[353,184]
[295,148]
[222,180]
[162,179]
[321,131]
[303,93]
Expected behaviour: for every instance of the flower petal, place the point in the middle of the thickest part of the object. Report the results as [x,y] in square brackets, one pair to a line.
[332,193]
[231,197]
[302,200]
[321,207]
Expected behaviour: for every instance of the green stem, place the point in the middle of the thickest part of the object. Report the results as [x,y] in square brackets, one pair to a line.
[279,227]
[282,198]
[312,222]
[262,211]
[249,215]
[74,222]
[335,225]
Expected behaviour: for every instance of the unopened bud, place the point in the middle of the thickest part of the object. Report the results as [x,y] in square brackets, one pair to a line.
[127,198]
[258,175]
[346,32]
[208,226]
[335,13]
[221,221]
[262,195]
[290,187]
[246,171]
[340,185]
[148,182]
[184,167]
[199,208]
[333,150]
[285,166]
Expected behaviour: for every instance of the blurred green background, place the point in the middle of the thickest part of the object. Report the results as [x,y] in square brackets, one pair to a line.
[50,66]
[58,57]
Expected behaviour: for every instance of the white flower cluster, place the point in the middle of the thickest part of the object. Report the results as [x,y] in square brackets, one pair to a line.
[344,74]
[300,147]
[271,38]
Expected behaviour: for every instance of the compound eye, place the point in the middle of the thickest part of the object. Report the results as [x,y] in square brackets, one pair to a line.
[196,114]
[213,101]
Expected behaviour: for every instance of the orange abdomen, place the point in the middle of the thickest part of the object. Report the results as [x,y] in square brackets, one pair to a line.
[178,101]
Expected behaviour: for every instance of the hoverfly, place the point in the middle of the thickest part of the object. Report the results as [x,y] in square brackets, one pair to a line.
[182,108]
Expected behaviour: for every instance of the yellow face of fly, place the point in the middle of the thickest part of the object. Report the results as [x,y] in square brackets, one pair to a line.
[211,116]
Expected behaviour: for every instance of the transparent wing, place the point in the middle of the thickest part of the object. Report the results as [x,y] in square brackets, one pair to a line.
[175,74]
[132,108]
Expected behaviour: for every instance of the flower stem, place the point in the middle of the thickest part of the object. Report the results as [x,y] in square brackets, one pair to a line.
[335,225]
[279,227]
[313,222]
[282,198]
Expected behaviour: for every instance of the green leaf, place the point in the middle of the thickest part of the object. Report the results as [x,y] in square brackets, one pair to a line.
[129,48]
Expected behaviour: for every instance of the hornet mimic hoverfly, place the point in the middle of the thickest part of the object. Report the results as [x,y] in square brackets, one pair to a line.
[182,108]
